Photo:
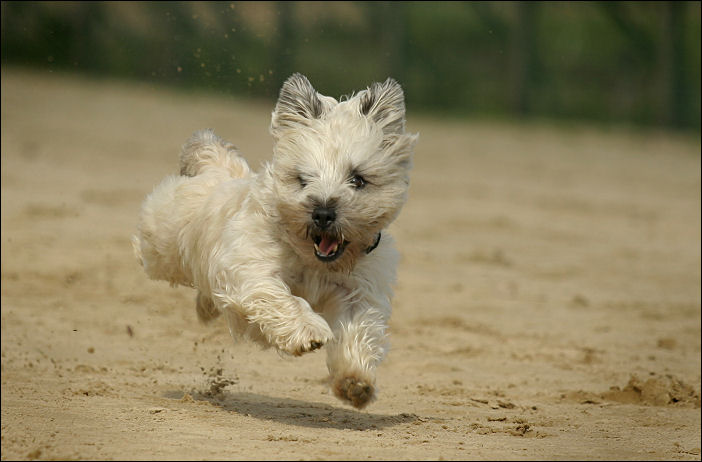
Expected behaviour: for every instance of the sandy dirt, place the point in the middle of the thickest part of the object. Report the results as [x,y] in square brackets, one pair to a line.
[548,303]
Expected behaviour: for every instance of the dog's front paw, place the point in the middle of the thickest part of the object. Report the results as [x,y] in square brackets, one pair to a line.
[355,391]
[312,336]
[311,333]
[313,345]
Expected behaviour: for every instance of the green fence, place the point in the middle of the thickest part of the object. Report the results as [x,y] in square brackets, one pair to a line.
[631,62]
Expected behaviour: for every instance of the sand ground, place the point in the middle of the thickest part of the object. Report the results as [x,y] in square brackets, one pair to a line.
[548,303]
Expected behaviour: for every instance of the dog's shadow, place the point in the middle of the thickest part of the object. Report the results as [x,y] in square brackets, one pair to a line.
[294,412]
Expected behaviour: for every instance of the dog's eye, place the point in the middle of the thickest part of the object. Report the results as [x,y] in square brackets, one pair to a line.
[302,181]
[357,181]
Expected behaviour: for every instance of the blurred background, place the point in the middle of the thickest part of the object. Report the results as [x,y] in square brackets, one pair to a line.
[635,63]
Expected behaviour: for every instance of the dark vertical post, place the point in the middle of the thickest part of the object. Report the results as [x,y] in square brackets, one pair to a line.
[284,52]
[393,38]
[523,57]
[674,28]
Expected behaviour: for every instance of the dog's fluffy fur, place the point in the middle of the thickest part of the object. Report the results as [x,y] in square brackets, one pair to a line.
[296,256]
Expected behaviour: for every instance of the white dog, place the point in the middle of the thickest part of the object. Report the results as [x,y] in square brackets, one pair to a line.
[295,256]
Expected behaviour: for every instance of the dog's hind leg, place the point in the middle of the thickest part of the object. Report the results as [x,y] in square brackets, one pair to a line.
[206,309]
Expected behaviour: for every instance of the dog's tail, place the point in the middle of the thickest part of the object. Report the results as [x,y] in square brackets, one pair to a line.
[205,150]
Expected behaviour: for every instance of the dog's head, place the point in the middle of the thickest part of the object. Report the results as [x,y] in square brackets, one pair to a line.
[340,169]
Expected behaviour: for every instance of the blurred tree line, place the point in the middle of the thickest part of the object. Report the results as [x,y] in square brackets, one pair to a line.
[608,61]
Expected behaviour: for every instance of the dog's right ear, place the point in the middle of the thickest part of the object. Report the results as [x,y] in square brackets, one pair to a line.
[298,103]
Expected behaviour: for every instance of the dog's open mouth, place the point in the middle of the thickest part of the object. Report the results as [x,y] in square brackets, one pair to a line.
[328,247]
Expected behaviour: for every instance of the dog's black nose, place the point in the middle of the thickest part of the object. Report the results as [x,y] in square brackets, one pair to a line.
[323,216]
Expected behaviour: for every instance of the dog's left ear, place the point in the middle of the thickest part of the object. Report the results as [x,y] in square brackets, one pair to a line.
[384,103]
[298,103]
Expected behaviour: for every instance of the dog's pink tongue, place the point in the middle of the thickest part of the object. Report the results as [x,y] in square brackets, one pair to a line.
[328,246]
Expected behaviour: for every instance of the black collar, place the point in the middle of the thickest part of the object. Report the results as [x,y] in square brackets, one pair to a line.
[375,244]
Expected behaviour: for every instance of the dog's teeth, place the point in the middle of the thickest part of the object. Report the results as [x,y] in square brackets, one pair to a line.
[329,248]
